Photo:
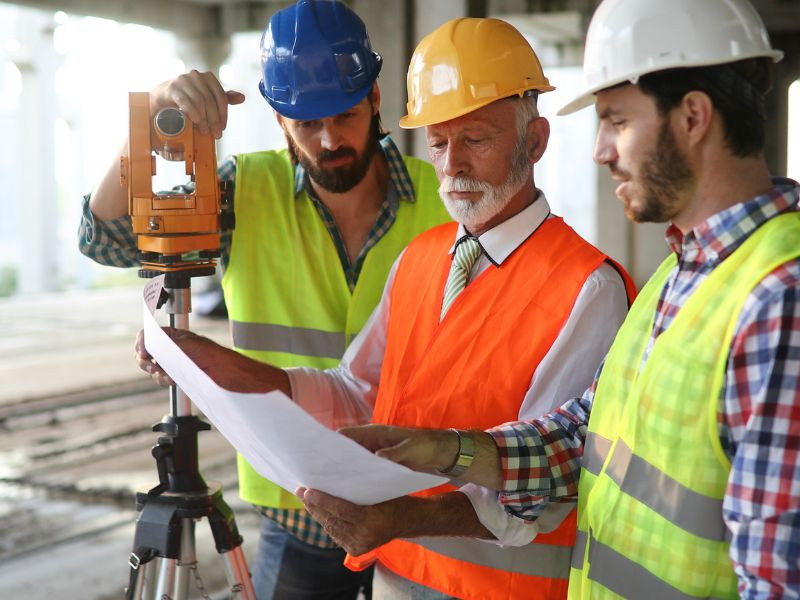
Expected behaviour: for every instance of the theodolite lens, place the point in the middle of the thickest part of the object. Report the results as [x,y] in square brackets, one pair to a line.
[170,121]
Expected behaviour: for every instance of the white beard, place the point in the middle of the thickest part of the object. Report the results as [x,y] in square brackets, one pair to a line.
[474,213]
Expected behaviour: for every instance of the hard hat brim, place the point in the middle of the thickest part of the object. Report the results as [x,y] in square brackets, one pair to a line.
[410,122]
[327,107]
[587,96]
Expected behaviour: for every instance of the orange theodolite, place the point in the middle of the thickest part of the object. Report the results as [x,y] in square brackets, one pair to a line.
[179,237]
[175,231]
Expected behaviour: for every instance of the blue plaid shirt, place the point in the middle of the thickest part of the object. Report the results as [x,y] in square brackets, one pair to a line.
[113,243]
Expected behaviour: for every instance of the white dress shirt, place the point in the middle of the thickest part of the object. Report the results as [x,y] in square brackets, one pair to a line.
[346,395]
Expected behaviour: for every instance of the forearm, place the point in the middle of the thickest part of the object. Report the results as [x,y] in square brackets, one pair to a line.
[110,199]
[227,368]
[261,378]
[450,514]
[238,373]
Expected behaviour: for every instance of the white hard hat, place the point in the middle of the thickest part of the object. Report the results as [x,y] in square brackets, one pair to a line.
[630,38]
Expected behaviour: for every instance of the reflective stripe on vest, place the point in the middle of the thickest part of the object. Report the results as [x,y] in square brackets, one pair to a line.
[654,473]
[595,451]
[626,578]
[287,296]
[539,560]
[579,549]
[472,370]
[267,337]
[693,512]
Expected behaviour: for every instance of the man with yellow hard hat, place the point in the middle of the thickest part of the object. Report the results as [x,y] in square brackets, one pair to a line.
[477,319]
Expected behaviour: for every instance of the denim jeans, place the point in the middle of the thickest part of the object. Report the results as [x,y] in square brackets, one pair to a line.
[287,569]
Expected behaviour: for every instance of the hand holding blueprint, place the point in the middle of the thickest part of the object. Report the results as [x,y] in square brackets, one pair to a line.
[279,439]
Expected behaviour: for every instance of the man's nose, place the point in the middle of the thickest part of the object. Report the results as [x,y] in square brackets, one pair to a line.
[330,138]
[605,150]
[455,162]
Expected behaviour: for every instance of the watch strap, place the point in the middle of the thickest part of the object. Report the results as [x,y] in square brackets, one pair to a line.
[466,453]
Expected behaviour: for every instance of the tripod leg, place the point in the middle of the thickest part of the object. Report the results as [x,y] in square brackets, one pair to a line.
[187,561]
[166,578]
[149,576]
[138,586]
[237,574]
[229,546]
[144,585]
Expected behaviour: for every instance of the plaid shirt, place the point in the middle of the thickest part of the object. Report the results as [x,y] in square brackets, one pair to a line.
[758,416]
[113,243]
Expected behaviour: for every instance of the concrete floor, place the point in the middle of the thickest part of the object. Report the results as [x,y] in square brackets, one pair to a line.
[75,438]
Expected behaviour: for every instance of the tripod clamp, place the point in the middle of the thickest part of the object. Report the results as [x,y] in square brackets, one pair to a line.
[174,476]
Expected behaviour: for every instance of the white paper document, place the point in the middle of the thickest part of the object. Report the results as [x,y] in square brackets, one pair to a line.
[283,442]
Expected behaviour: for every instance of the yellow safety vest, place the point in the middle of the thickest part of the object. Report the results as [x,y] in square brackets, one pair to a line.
[654,472]
[287,296]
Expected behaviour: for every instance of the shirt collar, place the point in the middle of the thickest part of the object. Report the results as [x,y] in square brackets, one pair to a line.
[501,240]
[718,236]
[398,174]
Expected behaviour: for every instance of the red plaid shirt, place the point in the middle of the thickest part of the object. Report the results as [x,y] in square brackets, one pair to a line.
[758,415]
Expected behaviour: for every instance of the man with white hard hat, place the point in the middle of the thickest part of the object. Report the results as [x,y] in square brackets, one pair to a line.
[683,453]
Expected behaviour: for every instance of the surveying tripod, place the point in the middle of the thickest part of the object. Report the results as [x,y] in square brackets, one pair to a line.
[178,235]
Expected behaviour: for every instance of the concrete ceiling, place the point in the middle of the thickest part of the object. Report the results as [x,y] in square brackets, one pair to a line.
[222,17]
[192,18]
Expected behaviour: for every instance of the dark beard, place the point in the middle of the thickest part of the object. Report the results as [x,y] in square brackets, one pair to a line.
[338,179]
[665,175]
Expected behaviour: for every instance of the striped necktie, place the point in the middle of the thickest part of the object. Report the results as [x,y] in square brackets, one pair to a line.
[466,253]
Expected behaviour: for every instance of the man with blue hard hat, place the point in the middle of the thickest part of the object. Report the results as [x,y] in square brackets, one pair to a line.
[318,226]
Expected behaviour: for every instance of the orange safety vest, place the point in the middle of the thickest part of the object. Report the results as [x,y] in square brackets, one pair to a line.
[472,371]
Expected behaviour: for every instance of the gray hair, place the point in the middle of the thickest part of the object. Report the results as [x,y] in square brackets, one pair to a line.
[527,110]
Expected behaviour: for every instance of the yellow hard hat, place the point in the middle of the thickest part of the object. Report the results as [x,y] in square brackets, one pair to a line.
[466,64]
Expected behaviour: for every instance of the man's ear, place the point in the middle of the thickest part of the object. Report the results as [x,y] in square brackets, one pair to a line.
[695,115]
[537,135]
[375,98]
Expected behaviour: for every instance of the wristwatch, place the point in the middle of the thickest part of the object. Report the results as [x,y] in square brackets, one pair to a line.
[466,452]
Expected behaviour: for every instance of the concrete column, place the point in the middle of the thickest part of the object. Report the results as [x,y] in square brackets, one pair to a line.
[777,103]
[387,24]
[38,231]
[204,53]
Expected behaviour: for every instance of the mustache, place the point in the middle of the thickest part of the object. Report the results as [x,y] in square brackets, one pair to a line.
[343,152]
[462,183]
[616,171]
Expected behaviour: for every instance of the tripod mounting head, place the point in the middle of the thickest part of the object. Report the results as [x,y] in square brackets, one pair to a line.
[177,233]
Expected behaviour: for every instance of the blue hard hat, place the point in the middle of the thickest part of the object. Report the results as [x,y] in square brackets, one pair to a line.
[316,60]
